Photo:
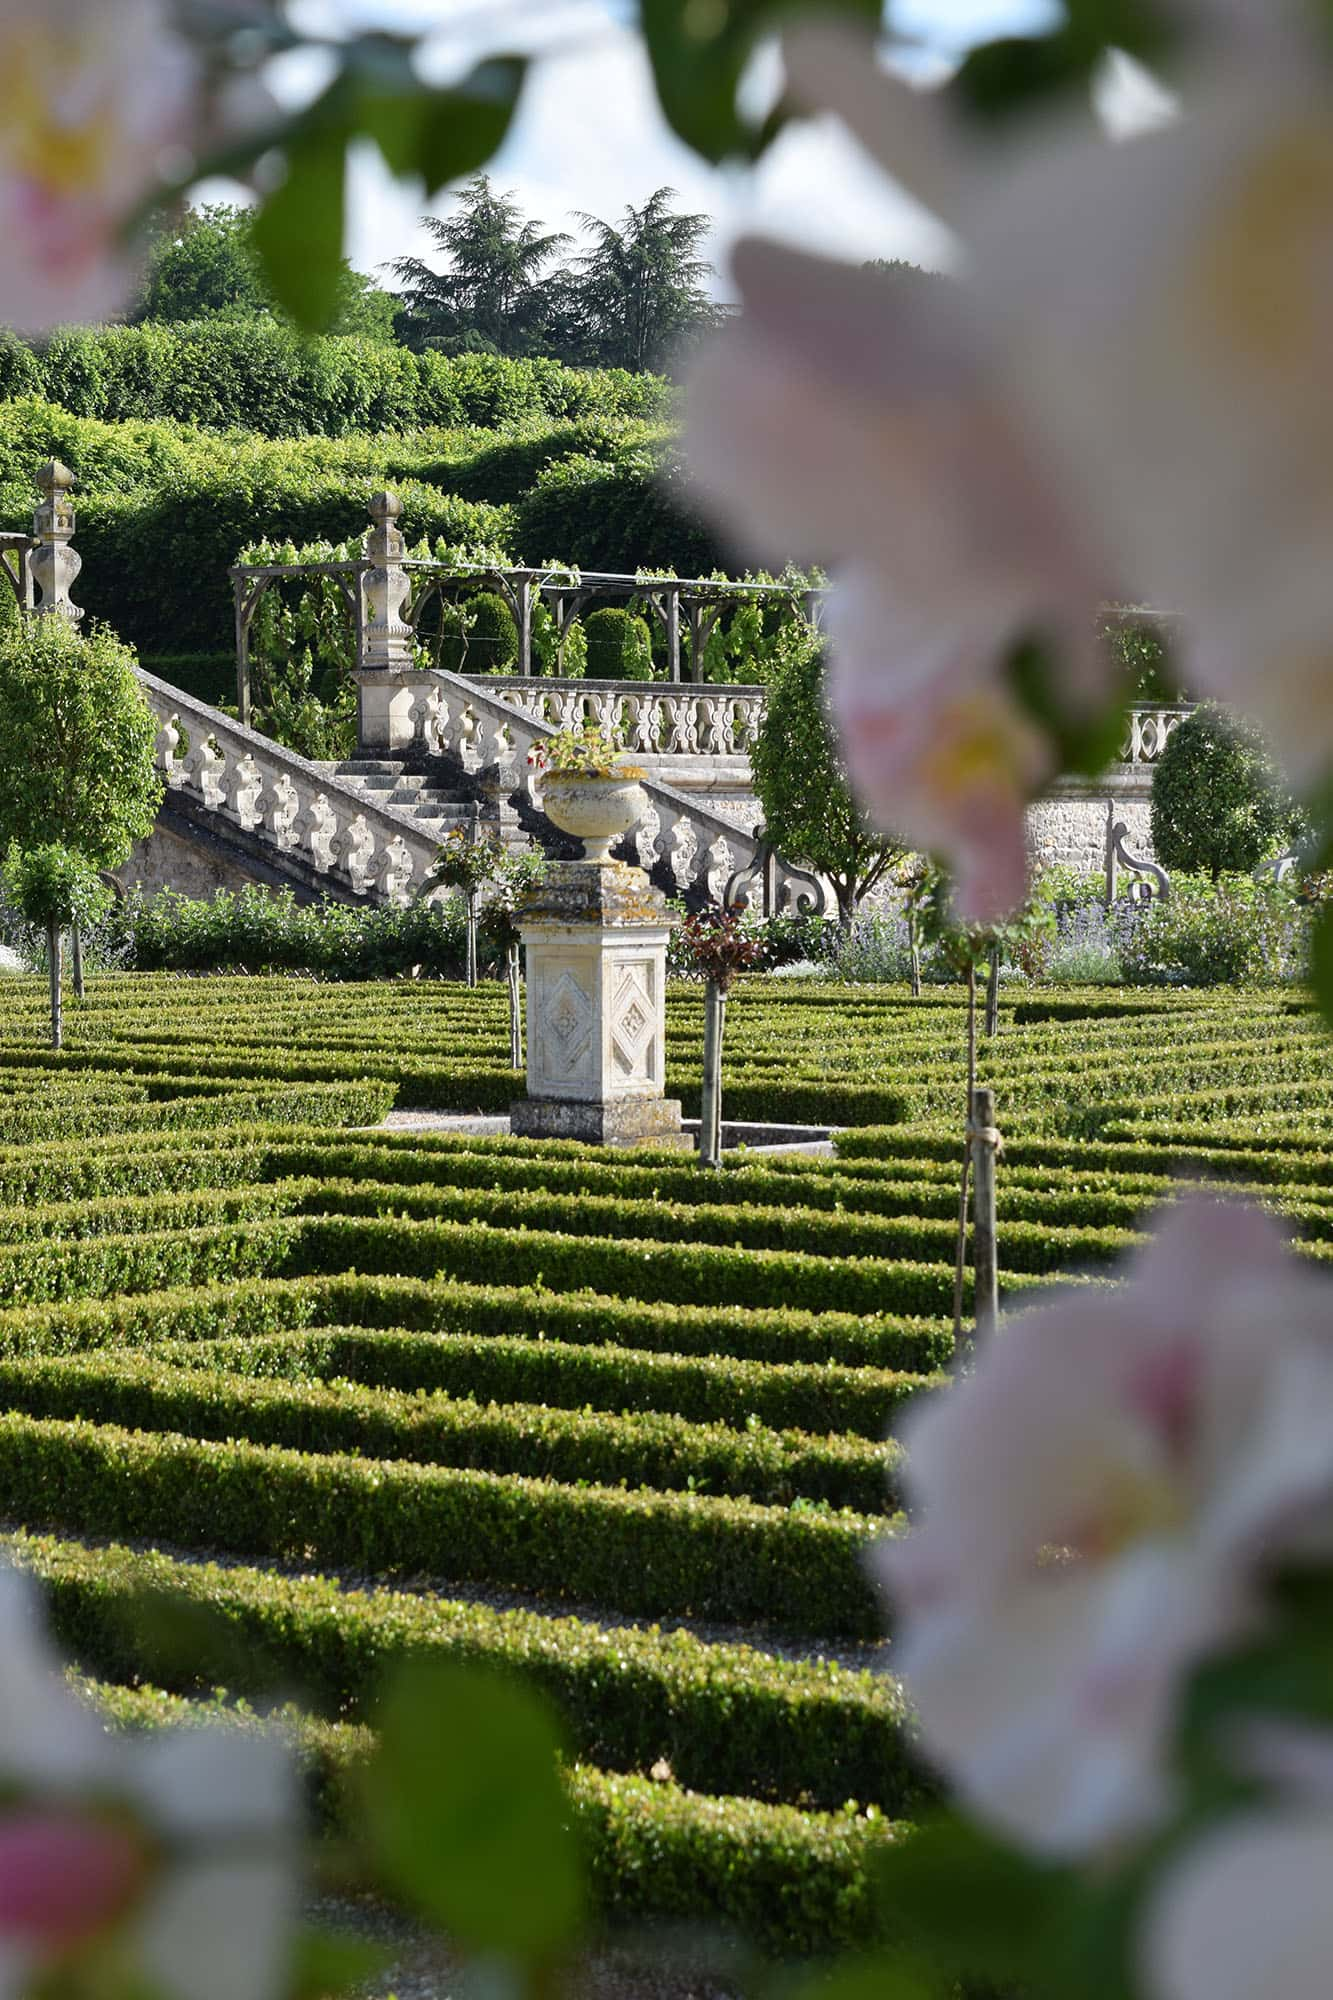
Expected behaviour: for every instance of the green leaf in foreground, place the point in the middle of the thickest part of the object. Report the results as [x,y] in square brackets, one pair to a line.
[699,50]
[436,135]
[467,1815]
[299,231]
[1321,961]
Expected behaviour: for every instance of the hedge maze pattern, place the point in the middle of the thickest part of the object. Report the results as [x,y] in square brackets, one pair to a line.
[602,1421]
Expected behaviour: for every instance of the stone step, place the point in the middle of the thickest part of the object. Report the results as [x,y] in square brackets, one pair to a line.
[360,767]
[377,785]
[409,802]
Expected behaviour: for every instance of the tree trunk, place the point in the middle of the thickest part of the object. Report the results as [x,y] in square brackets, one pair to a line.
[846,895]
[993,992]
[914,949]
[53,953]
[710,1122]
[471,905]
[76,958]
[515,1008]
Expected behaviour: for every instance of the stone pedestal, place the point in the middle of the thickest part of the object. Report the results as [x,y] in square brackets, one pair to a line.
[596,938]
[386,711]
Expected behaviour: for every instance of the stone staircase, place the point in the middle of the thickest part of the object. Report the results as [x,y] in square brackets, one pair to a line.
[388,782]
[367,829]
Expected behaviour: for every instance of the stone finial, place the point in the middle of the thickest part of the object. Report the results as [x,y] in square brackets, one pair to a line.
[52,563]
[386,644]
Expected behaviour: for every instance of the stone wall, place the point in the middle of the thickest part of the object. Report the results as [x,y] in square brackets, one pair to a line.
[170,860]
[1068,828]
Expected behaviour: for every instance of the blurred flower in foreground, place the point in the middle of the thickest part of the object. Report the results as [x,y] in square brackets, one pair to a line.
[93,98]
[1247,1911]
[1154,318]
[1094,1506]
[848,417]
[158,1865]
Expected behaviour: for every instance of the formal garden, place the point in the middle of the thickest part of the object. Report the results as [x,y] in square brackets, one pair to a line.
[666,965]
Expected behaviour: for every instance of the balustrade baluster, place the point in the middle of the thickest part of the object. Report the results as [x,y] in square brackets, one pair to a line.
[202,772]
[316,828]
[645,837]
[718,866]
[356,854]
[246,783]
[165,745]
[394,870]
[278,807]
[678,844]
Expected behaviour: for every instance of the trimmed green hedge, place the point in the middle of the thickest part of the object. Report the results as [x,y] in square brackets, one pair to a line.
[246,1308]
[793,1882]
[664,1452]
[260,375]
[640,1552]
[822,1397]
[725,1717]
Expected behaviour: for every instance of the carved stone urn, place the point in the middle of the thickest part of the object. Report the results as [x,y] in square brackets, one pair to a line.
[599,810]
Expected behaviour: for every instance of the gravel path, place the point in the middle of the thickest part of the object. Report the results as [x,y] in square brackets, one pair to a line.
[472,1125]
[653,1966]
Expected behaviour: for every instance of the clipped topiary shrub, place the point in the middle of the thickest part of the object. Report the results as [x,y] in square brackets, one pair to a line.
[619,646]
[1218,806]
[477,637]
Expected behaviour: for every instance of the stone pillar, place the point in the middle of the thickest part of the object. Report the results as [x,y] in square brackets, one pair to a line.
[385,697]
[596,938]
[52,563]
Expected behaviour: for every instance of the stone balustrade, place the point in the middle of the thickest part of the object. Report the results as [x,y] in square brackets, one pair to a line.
[658,719]
[690,850]
[285,802]
[650,717]
[1148,732]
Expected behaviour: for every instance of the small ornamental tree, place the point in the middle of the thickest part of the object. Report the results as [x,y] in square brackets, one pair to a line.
[76,743]
[719,948]
[466,860]
[514,877]
[810,814]
[76,750]
[54,887]
[1218,806]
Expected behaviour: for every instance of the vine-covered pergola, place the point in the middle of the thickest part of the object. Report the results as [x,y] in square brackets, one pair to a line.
[686,609]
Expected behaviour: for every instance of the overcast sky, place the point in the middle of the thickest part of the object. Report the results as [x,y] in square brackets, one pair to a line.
[589,134]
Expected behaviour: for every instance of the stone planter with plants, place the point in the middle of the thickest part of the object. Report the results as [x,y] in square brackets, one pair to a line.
[587,789]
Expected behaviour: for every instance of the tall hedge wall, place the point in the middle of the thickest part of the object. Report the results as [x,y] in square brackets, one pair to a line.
[164,509]
[260,376]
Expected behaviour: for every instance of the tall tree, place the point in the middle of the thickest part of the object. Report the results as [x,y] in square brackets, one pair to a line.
[204,265]
[643,285]
[491,290]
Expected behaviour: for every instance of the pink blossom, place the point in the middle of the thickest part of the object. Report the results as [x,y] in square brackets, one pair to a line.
[64,1878]
[1094,1508]
[170,1856]
[1153,318]
[93,98]
[852,420]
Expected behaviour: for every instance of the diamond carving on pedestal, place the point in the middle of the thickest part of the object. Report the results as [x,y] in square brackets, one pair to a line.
[568,1021]
[632,1038]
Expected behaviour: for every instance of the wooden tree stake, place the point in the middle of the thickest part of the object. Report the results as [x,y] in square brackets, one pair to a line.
[984,1144]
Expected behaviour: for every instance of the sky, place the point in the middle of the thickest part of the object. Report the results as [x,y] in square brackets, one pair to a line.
[589,136]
